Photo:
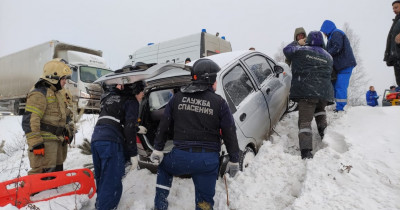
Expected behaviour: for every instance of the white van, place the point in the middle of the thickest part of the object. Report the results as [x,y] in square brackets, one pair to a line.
[194,46]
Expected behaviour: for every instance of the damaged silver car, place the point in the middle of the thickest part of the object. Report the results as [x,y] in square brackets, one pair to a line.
[255,87]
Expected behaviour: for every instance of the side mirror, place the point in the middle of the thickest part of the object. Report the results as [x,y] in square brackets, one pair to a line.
[278,70]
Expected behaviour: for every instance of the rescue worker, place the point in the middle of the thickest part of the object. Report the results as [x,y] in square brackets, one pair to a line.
[299,37]
[343,61]
[311,86]
[114,138]
[46,119]
[199,118]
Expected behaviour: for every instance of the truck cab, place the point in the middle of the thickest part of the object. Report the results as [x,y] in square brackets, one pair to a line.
[86,69]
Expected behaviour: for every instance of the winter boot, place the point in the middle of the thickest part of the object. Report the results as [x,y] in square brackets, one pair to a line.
[306,154]
[321,132]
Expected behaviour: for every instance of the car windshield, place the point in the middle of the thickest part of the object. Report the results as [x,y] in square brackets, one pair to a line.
[90,74]
[160,98]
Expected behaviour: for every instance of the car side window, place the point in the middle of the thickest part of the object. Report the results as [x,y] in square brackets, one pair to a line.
[159,99]
[237,85]
[259,67]
[74,76]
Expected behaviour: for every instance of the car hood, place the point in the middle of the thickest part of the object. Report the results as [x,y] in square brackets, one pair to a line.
[151,75]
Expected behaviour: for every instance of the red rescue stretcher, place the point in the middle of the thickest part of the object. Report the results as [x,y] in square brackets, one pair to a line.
[19,191]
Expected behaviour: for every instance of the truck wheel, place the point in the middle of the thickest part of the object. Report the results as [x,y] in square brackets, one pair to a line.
[247,157]
[16,108]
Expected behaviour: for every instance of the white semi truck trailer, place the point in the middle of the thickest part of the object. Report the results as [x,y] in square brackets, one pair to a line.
[21,70]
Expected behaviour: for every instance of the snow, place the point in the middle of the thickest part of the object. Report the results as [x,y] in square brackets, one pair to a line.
[356,166]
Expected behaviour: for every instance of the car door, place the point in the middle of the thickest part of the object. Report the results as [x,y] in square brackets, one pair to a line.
[271,86]
[247,104]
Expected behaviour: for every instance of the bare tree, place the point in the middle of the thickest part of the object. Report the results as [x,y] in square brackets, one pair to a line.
[356,91]
[279,56]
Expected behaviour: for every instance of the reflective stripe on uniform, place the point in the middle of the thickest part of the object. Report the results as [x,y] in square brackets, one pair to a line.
[340,100]
[32,135]
[162,187]
[319,113]
[48,136]
[51,99]
[305,130]
[110,118]
[35,110]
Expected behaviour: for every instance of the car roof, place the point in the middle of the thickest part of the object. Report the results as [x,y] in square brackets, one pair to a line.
[225,59]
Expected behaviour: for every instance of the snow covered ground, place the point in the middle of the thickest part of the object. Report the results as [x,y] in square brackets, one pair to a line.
[356,166]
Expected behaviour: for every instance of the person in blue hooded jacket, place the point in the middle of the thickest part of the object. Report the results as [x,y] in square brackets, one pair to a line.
[311,86]
[343,61]
[372,97]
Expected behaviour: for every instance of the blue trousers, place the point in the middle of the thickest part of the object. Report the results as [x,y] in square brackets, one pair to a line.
[109,167]
[340,86]
[202,166]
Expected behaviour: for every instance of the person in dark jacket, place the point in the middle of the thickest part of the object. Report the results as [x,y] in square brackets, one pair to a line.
[199,118]
[311,86]
[300,36]
[372,97]
[113,138]
[392,52]
[343,61]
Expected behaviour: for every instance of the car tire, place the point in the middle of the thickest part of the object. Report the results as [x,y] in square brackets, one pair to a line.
[246,158]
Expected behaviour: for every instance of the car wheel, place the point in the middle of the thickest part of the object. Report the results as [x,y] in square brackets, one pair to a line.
[292,106]
[247,157]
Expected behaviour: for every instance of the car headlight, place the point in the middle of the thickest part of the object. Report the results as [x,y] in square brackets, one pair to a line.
[84,95]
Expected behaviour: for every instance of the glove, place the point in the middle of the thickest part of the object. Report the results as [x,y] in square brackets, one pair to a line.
[134,161]
[397,39]
[156,156]
[68,135]
[376,97]
[38,149]
[232,168]
[142,130]
[302,42]
[68,139]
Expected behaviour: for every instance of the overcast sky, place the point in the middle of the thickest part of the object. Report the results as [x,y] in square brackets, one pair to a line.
[120,27]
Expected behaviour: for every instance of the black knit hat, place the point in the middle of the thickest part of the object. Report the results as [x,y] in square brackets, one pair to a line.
[395,2]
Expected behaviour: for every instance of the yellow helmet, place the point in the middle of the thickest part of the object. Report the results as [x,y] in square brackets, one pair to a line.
[55,69]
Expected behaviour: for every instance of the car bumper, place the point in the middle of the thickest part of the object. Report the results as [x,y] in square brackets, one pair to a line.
[89,104]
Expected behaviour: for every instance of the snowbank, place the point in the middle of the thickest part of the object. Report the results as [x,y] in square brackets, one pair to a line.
[356,166]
